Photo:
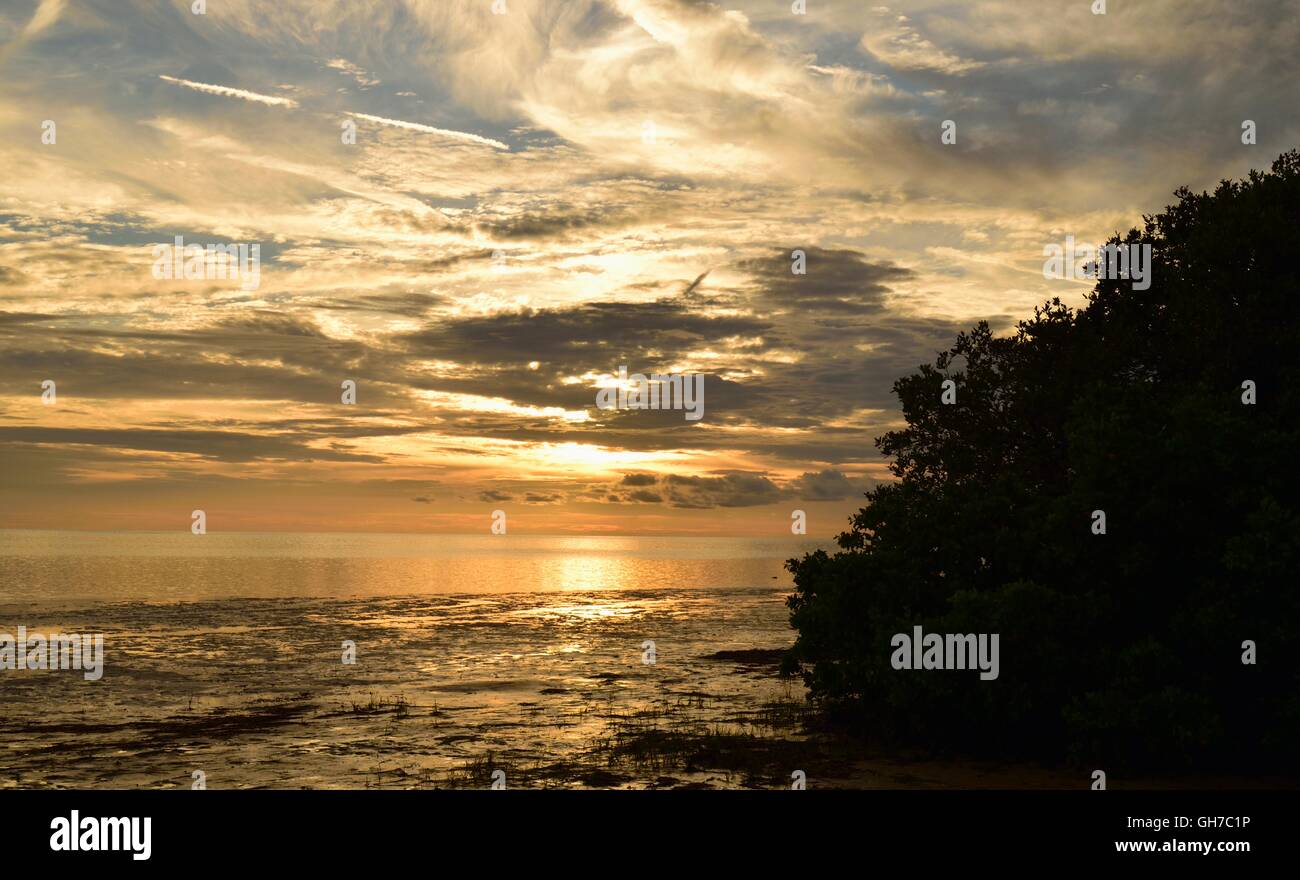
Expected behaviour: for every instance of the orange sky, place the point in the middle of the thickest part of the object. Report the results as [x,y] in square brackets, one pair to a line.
[479,218]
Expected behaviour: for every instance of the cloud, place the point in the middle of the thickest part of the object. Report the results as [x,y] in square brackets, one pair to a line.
[231,446]
[352,70]
[826,485]
[593,336]
[737,489]
[552,224]
[894,40]
[772,134]
[10,277]
[838,281]
[729,490]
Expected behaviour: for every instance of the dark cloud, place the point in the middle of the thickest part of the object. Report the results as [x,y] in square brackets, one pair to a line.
[11,277]
[217,445]
[842,282]
[729,490]
[827,485]
[27,317]
[260,323]
[550,225]
[847,367]
[256,356]
[734,489]
[408,304]
[593,336]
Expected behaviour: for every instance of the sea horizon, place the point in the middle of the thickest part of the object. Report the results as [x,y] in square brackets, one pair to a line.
[49,565]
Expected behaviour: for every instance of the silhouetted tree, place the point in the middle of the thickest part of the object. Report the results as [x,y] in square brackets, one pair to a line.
[1123,648]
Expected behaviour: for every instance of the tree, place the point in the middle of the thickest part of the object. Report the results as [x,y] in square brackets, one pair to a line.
[1122,648]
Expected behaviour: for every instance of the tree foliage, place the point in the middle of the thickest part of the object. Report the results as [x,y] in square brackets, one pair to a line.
[1122,648]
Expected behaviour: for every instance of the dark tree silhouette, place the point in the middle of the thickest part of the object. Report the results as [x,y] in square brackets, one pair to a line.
[1116,649]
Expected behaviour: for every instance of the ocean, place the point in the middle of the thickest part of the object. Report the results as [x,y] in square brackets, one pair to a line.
[519,661]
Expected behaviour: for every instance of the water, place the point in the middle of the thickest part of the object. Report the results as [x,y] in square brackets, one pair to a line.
[177,566]
[224,655]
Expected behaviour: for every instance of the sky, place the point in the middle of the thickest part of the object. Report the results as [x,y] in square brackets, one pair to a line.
[478,214]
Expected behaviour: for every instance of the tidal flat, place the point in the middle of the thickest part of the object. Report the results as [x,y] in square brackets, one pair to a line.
[523,690]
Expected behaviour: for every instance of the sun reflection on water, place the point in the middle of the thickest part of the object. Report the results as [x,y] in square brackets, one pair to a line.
[584,572]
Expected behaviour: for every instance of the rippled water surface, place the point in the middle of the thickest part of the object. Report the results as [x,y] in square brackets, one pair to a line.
[224,655]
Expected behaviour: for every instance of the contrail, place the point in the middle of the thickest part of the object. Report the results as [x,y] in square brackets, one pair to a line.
[429,129]
[228,92]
